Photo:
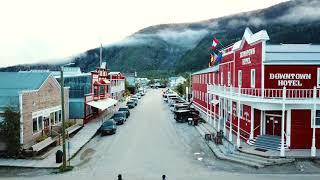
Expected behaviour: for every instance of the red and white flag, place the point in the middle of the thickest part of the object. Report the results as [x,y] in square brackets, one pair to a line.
[215,42]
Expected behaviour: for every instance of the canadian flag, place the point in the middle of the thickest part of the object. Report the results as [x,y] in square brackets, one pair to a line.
[215,42]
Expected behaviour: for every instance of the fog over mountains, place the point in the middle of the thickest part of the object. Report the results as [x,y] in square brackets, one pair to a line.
[168,49]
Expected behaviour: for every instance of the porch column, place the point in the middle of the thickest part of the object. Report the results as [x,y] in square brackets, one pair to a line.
[252,123]
[230,120]
[225,116]
[214,112]
[238,130]
[282,153]
[313,147]
[261,122]
[220,116]
[288,128]
[210,99]
[207,102]
[264,122]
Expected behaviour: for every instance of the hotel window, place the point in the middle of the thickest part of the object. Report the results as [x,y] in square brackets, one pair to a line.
[229,78]
[221,78]
[253,78]
[317,123]
[318,77]
[239,78]
[40,123]
[35,125]
[241,110]
[210,80]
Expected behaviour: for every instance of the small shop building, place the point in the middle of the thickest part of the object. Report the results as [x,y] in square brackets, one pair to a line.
[36,96]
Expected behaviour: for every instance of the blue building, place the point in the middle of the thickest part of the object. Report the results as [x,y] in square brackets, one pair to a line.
[79,84]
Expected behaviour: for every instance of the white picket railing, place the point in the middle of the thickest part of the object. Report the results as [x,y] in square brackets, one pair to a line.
[267,93]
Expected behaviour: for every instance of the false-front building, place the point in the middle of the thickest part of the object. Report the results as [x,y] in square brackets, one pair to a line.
[264,91]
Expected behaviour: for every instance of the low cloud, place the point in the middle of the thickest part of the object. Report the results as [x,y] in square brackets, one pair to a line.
[308,10]
[187,38]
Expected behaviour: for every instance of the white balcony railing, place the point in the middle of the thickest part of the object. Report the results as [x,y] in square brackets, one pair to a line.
[267,93]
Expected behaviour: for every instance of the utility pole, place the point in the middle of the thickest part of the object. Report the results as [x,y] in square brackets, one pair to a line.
[64,162]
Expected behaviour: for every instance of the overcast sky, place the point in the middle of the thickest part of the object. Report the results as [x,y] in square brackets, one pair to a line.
[42,30]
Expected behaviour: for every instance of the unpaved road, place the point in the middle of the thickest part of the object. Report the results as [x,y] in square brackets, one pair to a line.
[150,144]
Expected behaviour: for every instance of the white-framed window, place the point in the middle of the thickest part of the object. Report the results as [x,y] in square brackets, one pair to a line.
[35,124]
[40,121]
[210,79]
[60,116]
[239,78]
[52,118]
[317,123]
[56,117]
[221,78]
[253,78]
[318,77]
[229,78]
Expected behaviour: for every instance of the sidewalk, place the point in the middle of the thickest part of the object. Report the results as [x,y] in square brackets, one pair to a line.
[228,152]
[75,144]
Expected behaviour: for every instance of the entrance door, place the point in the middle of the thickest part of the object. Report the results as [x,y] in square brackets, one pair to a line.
[273,125]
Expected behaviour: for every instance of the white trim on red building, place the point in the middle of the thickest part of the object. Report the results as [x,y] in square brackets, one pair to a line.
[277,92]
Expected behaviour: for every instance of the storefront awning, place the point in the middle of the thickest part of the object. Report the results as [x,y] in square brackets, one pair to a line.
[104,81]
[214,102]
[103,104]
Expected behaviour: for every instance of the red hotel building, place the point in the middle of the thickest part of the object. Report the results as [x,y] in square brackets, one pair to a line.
[266,91]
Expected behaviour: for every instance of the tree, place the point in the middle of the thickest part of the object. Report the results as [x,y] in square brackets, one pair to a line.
[10,130]
[180,89]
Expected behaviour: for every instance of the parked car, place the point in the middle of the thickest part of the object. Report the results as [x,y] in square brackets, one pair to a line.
[119,118]
[139,95]
[126,110]
[135,100]
[179,106]
[108,127]
[131,104]
[182,115]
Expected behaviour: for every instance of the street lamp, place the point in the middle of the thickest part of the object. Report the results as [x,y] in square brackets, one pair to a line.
[64,161]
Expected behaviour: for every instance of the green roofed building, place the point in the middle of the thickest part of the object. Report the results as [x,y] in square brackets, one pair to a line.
[36,96]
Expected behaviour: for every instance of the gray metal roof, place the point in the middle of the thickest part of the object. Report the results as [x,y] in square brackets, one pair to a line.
[292,54]
[14,82]
[207,70]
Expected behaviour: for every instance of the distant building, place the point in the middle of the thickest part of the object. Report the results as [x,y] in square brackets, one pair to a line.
[117,85]
[175,81]
[79,84]
[36,95]
[131,78]
[142,81]
[98,103]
